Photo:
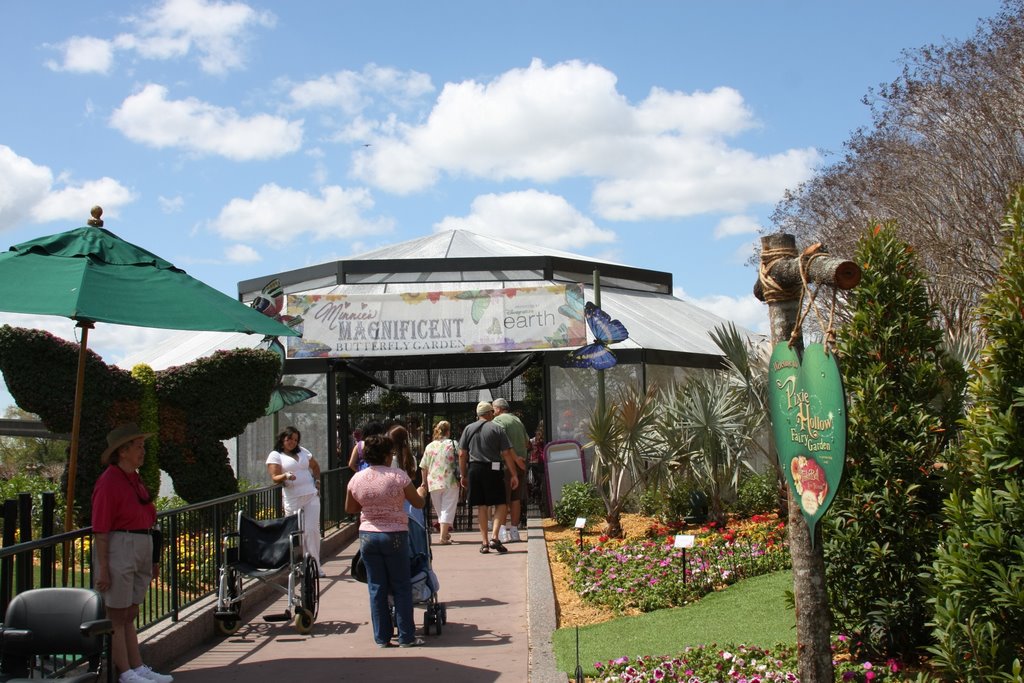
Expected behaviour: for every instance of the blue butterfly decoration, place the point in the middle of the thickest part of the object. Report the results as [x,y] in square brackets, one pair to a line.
[606,331]
[271,303]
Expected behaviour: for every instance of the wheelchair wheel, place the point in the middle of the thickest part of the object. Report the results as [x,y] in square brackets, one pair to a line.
[311,587]
[230,602]
[227,627]
[303,620]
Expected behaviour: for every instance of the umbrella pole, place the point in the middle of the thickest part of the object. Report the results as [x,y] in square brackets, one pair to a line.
[76,426]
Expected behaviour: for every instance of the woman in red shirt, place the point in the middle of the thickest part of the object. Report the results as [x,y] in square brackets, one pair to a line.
[123,516]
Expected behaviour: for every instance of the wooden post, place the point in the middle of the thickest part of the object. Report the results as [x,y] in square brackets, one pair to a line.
[779,286]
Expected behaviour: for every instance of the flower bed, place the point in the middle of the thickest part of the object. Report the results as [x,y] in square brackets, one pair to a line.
[737,663]
[651,573]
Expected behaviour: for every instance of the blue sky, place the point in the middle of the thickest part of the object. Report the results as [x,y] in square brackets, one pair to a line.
[239,139]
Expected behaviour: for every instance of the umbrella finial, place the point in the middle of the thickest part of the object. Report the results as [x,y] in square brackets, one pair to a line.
[96,221]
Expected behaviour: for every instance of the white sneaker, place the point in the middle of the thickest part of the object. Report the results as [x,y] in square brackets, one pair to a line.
[514,534]
[130,676]
[503,535]
[321,573]
[147,674]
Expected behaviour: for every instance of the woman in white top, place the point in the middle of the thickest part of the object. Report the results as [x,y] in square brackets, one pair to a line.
[298,471]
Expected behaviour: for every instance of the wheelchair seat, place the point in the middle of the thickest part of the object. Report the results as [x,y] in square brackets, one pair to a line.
[262,550]
[265,546]
[62,626]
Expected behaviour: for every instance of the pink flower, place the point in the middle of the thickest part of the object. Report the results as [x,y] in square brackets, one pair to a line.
[893,665]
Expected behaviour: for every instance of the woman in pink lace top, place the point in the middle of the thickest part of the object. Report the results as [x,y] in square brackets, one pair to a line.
[377,493]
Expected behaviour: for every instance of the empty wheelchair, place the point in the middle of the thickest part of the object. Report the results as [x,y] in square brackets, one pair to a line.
[265,550]
[52,631]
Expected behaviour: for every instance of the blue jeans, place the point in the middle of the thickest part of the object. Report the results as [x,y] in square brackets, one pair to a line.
[387,560]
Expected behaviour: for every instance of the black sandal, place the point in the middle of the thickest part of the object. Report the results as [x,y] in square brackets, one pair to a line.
[497,545]
[484,549]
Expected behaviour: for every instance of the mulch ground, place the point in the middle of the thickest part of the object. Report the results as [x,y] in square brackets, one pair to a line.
[570,609]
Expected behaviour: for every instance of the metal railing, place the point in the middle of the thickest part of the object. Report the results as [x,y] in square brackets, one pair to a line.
[192,552]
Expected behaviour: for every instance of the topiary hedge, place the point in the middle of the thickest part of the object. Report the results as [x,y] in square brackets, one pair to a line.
[199,405]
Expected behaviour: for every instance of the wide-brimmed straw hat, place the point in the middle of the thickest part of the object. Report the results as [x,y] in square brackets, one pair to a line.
[121,435]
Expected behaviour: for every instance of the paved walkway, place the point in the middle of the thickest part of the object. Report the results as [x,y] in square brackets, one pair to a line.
[485,638]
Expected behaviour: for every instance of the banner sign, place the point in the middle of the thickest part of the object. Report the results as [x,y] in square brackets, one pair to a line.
[808,411]
[471,321]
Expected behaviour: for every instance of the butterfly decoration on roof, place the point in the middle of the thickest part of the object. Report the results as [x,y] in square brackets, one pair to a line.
[270,302]
[573,306]
[606,331]
[198,405]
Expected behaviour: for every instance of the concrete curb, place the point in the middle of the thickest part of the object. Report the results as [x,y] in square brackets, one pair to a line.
[166,641]
[540,608]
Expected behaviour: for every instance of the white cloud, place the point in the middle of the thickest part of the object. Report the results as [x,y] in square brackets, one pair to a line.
[719,112]
[73,203]
[216,31]
[23,184]
[743,252]
[152,119]
[279,215]
[666,156]
[171,204]
[352,91]
[745,311]
[531,217]
[27,193]
[691,177]
[736,225]
[111,342]
[241,253]
[84,54]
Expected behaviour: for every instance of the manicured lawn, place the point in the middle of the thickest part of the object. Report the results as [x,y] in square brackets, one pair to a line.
[751,612]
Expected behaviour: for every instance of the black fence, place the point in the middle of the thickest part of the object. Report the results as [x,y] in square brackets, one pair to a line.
[192,548]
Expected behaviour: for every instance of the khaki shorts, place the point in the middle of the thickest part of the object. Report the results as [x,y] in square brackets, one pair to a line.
[131,569]
[519,492]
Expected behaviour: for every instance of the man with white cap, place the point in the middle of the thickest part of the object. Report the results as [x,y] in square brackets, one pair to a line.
[484,450]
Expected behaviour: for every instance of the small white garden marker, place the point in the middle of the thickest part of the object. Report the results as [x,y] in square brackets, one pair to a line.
[683,541]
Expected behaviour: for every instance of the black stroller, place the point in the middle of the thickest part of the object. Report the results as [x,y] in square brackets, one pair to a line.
[424,581]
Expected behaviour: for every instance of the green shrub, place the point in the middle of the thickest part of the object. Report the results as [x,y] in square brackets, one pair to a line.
[758,494]
[650,503]
[677,504]
[904,396]
[579,499]
[979,565]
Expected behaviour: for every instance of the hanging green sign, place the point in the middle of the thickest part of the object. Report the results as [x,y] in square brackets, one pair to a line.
[808,412]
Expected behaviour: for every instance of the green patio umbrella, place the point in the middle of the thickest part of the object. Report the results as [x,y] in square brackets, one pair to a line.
[91,275]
